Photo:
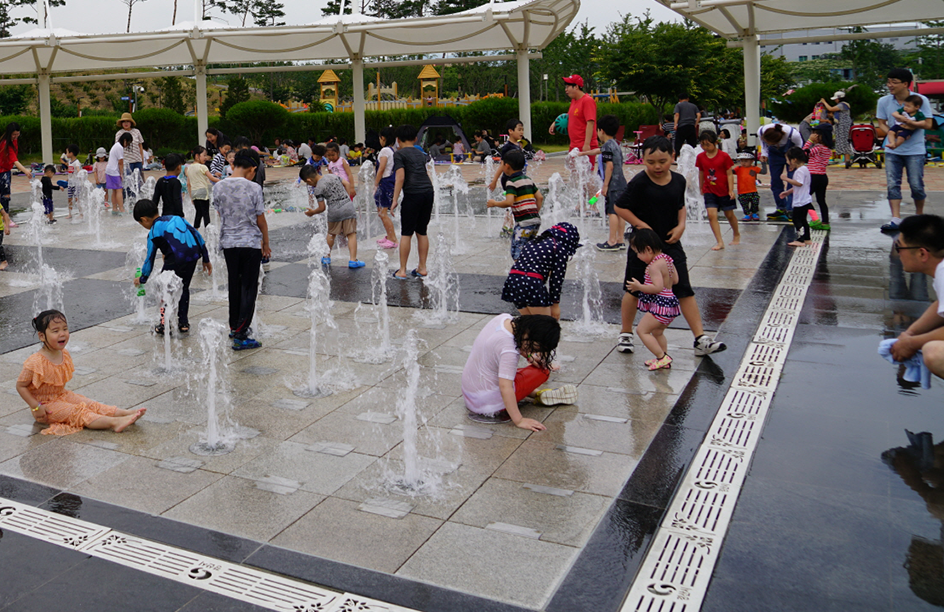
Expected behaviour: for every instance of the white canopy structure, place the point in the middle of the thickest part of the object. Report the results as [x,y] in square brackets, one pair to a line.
[746,22]
[519,26]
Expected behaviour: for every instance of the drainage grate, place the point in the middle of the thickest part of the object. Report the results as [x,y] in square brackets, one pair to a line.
[236,581]
[675,573]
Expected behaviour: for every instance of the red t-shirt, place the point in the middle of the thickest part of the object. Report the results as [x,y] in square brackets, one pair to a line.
[8,155]
[714,169]
[580,112]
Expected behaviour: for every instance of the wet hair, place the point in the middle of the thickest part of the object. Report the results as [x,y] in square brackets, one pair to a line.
[542,332]
[43,320]
[173,161]
[125,139]
[241,142]
[655,144]
[512,124]
[708,136]
[49,168]
[642,239]
[333,146]
[307,172]
[926,231]
[246,159]
[406,132]
[144,208]
[773,134]
[609,124]
[319,150]
[514,158]
[73,148]
[197,150]
[915,100]
[902,74]
[798,154]
[389,134]
[7,137]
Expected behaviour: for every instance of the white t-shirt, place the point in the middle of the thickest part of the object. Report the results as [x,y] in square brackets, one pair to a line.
[493,356]
[801,193]
[117,152]
[387,154]
[304,151]
[939,287]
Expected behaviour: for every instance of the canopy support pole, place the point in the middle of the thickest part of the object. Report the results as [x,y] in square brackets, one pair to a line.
[45,116]
[524,91]
[360,123]
[752,88]
[199,72]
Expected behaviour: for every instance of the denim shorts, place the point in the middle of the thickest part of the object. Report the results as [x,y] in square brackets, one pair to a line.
[914,164]
[522,235]
[723,203]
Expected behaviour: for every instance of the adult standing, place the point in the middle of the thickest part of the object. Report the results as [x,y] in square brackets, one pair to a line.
[842,123]
[216,139]
[775,140]
[9,150]
[581,117]
[134,154]
[687,119]
[909,155]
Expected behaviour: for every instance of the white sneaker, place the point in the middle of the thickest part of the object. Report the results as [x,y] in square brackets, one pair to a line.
[625,343]
[552,397]
[704,345]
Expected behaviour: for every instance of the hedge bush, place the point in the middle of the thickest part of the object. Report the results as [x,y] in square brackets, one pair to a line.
[166,130]
[800,103]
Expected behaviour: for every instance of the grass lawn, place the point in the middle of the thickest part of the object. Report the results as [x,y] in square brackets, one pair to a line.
[552,148]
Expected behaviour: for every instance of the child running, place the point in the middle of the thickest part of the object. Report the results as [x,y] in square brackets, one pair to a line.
[43,380]
[535,280]
[199,178]
[716,180]
[409,168]
[492,383]
[383,186]
[181,247]
[655,296]
[524,199]
[800,190]
[820,148]
[747,172]
[168,188]
[331,193]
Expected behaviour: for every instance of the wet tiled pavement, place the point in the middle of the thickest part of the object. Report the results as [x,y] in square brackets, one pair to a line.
[818,482]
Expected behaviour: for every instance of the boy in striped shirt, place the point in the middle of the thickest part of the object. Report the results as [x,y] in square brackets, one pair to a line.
[524,199]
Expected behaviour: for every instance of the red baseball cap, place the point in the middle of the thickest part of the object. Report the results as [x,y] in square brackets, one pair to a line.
[574,79]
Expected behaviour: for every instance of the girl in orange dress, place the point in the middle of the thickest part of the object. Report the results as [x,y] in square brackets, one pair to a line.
[43,380]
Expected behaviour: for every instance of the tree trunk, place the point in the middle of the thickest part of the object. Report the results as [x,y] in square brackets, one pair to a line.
[173,19]
[130,5]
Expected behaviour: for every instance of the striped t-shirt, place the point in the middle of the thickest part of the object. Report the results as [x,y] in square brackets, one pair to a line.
[525,208]
[819,157]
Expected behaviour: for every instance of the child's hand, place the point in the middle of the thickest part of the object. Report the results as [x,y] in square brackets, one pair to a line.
[783,195]
[491,204]
[634,285]
[6,230]
[137,282]
[530,424]
[208,267]
[310,212]
[492,185]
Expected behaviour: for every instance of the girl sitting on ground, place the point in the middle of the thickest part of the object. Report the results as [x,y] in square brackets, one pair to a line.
[656,299]
[42,386]
[492,383]
[535,280]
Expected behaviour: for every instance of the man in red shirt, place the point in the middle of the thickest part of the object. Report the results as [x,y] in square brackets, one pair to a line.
[581,116]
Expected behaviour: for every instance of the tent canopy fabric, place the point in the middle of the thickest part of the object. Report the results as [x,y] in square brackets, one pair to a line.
[440,126]
[518,25]
[739,18]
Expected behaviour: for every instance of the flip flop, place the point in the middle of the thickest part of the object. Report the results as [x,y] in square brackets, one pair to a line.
[399,278]
[415,273]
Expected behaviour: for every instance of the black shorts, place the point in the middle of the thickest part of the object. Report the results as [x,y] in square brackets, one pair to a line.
[415,212]
[685,134]
[637,269]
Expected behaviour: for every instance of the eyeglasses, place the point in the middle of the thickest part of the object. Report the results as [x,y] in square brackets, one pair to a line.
[899,248]
[893,82]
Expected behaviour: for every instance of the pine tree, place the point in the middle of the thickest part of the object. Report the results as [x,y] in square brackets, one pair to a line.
[8,20]
[237,91]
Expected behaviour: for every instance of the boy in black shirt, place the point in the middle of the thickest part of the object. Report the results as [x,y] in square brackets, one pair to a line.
[409,168]
[655,199]
[169,189]
[46,182]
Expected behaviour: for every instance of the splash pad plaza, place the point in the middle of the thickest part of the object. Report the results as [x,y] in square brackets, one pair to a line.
[335,468]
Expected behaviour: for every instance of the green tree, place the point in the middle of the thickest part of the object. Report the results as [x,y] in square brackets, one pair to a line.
[776,76]
[928,59]
[15,99]
[573,52]
[238,91]
[871,60]
[9,20]
[172,94]
[258,12]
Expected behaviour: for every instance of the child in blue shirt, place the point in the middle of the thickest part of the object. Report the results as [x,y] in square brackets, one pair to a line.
[182,247]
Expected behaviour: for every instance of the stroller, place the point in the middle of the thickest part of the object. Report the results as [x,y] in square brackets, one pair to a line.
[864,150]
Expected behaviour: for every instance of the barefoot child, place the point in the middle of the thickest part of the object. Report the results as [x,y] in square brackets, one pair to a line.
[535,280]
[383,186]
[716,180]
[524,199]
[656,298]
[42,386]
[331,193]
[820,148]
[802,200]
[409,168]
[49,172]
[200,179]
[614,181]
[74,165]
[115,170]
[492,383]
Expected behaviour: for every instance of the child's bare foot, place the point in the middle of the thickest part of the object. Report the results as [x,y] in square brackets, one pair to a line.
[69,216]
[124,422]
[718,247]
[797,243]
[736,241]
[3,265]
[141,411]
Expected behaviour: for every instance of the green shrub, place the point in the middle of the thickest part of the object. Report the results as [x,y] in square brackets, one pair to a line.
[256,118]
[800,103]
[162,127]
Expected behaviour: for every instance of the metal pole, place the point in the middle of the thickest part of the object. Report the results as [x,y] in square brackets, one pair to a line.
[752,88]
[360,124]
[202,121]
[524,92]
[45,116]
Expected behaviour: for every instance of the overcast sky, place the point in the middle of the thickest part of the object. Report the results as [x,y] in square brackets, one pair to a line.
[107,16]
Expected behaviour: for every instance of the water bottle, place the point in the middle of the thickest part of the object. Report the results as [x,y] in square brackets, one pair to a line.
[137,274]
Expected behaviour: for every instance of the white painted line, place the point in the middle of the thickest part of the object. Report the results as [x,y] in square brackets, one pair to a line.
[238,582]
[290,404]
[548,490]
[471,431]
[518,530]
[376,417]
[338,449]
[390,508]
[677,568]
[603,417]
[577,450]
